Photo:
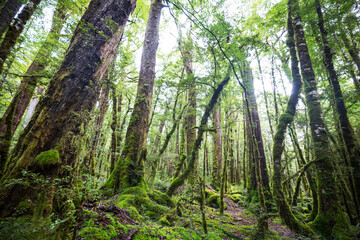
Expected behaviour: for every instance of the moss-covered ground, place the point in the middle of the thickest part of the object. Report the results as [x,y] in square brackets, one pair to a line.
[182,220]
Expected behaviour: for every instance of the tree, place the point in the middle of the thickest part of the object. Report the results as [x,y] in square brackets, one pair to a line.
[128,171]
[51,139]
[13,114]
[330,218]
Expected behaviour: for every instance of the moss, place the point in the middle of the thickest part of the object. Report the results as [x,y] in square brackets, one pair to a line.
[169,218]
[332,227]
[214,201]
[235,197]
[136,200]
[47,159]
[161,198]
[164,221]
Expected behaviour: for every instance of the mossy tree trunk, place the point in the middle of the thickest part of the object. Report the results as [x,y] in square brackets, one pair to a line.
[217,149]
[190,118]
[90,159]
[248,81]
[330,219]
[114,127]
[62,116]
[20,101]
[7,14]
[14,31]
[278,147]
[346,129]
[128,171]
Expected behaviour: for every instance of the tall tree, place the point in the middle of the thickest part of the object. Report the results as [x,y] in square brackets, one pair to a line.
[248,80]
[278,147]
[217,148]
[50,140]
[128,171]
[351,143]
[330,219]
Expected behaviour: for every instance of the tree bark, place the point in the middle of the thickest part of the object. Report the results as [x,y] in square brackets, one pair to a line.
[128,171]
[248,81]
[351,143]
[278,148]
[15,30]
[7,14]
[217,149]
[330,218]
[61,117]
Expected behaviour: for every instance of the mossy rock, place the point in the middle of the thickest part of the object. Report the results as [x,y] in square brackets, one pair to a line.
[137,202]
[169,218]
[235,197]
[161,198]
[47,159]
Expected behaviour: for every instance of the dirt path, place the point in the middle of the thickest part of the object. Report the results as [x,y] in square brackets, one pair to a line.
[240,218]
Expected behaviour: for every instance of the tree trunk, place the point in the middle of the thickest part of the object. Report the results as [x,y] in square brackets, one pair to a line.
[15,30]
[128,171]
[52,137]
[330,219]
[346,129]
[248,81]
[278,148]
[28,84]
[217,149]
[7,14]
[114,127]
[190,117]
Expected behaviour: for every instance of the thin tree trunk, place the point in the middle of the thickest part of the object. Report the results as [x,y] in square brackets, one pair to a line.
[114,127]
[178,181]
[128,171]
[217,149]
[7,14]
[15,30]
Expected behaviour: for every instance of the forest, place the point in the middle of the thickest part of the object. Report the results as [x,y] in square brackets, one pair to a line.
[179,119]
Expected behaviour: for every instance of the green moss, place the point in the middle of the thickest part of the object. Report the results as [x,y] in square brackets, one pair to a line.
[137,202]
[332,227]
[161,198]
[164,221]
[235,197]
[24,204]
[169,218]
[48,158]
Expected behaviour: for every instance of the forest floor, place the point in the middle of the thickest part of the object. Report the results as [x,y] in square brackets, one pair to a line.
[99,221]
